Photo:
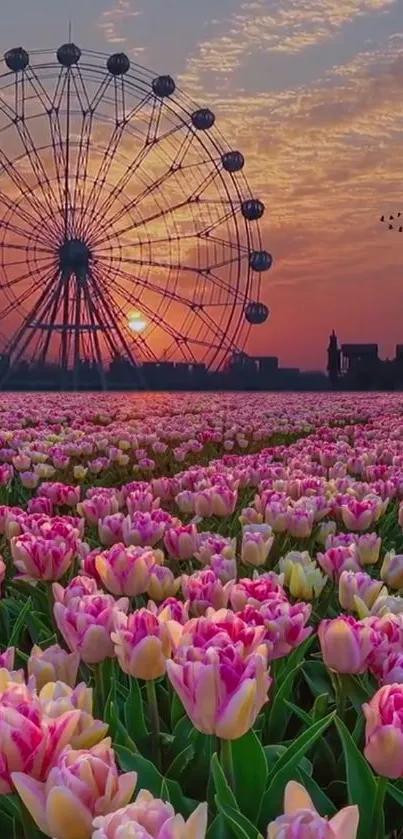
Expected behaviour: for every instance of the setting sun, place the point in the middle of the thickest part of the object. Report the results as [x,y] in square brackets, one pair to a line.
[137,322]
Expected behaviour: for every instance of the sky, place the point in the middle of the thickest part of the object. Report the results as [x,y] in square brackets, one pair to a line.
[311,91]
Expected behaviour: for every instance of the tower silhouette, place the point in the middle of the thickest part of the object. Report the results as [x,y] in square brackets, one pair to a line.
[333,359]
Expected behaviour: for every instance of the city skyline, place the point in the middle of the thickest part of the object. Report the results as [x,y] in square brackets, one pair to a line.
[311,93]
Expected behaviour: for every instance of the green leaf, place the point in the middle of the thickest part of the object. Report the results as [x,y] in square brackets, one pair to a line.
[250,771]
[322,803]
[361,784]
[320,707]
[277,749]
[180,762]
[285,769]
[20,624]
[134,713]
[177,710]
[238,823]
[279,713]
[317,678]
[118,732]
[356,691]
[223,790]
[148,775]
[218,828]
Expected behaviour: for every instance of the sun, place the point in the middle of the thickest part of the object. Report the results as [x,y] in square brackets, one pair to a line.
[137,322]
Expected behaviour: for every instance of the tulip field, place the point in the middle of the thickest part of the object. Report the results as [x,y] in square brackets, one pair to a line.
[201,616]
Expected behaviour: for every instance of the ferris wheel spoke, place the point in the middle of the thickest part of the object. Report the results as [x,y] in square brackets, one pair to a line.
[198,311]
[102,291]
[18,343]
[109,306]
[154,318]
[81,169]
[38,169]
[7,166]
[27,275]
[10,227]
[109,156]
[157,216]
[124,181]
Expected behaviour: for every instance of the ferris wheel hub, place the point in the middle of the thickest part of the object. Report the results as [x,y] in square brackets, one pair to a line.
[74,256]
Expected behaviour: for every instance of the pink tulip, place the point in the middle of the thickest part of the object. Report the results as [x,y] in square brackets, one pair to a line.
[368,546]
[276,515]
[354,584]
[143,501]
[82,785]
[9,513]
[285,624]
[223,501]
[387,668]
[221,629]
[40,559]
[98,507]
[181,542]
[259,590]
[346,644]
[299,522]
[302,821]
[142,529]
[110,529]
[224,569]
[86,625]
[77,588]
[336,560]
[203,589]
[185,502]
[212,544]
[61,494]
[358,515]
[52,665]
[392,569]
[7,659]
[6,474]
[29,741]
[142,644]
[384,731]
[256,544]
[125,571]
[56,698]
[151,817]
[221,692]
[41,505]
[170,609]
[162,583]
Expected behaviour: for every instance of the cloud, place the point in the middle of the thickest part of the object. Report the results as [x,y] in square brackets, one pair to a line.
[113,22]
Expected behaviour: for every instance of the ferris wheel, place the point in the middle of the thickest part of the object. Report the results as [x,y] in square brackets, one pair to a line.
[127,229]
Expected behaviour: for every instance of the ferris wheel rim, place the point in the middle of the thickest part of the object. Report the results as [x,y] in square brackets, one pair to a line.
[217,141]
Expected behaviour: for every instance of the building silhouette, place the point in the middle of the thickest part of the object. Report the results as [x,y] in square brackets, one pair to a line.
[358,367]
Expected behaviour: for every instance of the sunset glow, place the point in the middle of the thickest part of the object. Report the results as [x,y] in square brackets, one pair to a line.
[136,322]
[311,93]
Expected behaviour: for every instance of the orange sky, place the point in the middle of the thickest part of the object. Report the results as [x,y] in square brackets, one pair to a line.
[312,92]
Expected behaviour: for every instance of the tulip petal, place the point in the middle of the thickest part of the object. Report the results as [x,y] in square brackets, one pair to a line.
[238,716]
[345,823]
[296,798]
[67,817]
[32,794]
[385,753]
[196,824]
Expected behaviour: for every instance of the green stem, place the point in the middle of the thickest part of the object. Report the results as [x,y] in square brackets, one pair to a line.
[99,692]
[227,762]
[154,720]
[340,695]
[51,603]
[377,810]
